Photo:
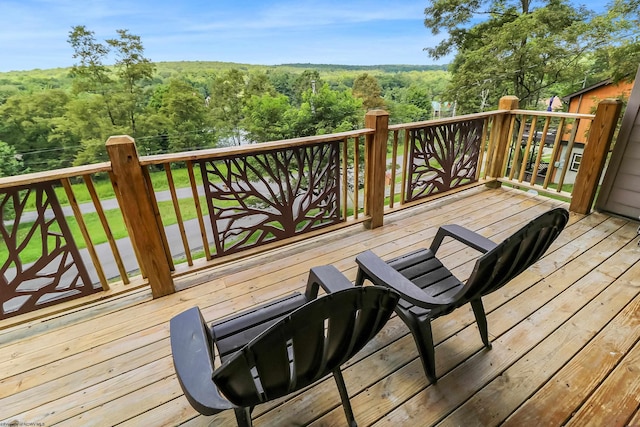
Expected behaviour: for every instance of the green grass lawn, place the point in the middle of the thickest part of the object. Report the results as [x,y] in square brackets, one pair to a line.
[104,189]
[33,250]
[551,194]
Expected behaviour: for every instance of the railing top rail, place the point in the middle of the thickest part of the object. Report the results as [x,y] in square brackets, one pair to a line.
[553,114]
[435,122]
[53,175]
[157,159]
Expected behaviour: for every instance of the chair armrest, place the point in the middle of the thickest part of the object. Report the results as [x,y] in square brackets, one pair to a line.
[382,274]
[329,278]
[464,235]
[191,349]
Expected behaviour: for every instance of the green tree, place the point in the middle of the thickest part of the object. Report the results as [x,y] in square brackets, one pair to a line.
[519,49]
[309,80]
[188,123]
[91,74]
[122,96]
[265,118]
[10,162]
[10,165]
[258,83]
[85,124]
[227,102]
[409,104]
[367,88]
[7,91]
[620,61]
[28,121]
[133,69]
[282,81]
[325,111]
[392,81]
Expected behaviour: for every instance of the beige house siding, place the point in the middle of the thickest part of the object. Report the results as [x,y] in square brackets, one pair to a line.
[620,192]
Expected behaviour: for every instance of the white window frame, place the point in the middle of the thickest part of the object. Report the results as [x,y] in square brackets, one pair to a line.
[574,164]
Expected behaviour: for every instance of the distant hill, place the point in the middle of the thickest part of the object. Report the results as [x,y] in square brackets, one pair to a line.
[388,68]
[218,65]
[166,68]
[200,72]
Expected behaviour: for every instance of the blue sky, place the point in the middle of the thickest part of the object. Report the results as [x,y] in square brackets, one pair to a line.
[33,33]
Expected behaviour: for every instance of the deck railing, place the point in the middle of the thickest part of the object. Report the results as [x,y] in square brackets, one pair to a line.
[249,198]
[538,150]
[241,200]
[46,248]
[437,156]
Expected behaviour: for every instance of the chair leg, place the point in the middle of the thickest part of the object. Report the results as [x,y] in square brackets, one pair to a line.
[344,396]
[359,278]
[481,319]
[243,417]
[423,337]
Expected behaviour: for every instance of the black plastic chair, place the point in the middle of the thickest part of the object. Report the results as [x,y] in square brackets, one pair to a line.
[429,290]
[277,348]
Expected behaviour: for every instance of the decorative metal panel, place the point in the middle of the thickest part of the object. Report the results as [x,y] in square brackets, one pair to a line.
[255,199]
[58,273]
[443,157]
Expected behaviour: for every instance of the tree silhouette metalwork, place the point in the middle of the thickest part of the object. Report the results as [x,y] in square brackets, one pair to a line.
[255,199]
[58,274]
[443,157]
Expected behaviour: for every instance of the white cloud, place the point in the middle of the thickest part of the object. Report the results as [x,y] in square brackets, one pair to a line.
[281,15]
[252,31]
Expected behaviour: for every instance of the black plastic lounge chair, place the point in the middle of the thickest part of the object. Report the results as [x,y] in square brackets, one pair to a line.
[428,289]
[277,348]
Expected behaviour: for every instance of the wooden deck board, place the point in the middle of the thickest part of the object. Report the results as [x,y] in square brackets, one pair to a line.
[521,380]
[110,363]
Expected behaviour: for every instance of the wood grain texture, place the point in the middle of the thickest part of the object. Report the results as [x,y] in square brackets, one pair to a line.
[136,204]
[111,363]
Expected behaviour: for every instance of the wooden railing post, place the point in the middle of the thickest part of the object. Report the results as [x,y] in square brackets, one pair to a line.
[500,136]
[137,207]
[376,164]
[595,155]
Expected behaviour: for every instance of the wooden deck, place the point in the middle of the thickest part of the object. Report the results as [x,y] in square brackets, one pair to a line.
[565,334]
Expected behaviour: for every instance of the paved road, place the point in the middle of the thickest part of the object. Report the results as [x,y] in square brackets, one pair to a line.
[110,268]
[107,260]
[104,252]
[107,204]
[192,231]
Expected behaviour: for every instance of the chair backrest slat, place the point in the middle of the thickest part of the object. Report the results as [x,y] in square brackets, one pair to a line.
[515,254]
[298,350]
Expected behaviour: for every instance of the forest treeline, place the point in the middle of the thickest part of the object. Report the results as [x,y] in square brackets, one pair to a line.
[533,50]
[62,117]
